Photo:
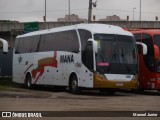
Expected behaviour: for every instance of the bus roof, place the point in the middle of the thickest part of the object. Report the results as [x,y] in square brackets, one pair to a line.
[148,31]
[94,28]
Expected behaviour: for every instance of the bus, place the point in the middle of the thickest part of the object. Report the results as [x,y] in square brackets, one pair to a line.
[4,45]
[91,56]
[149,64]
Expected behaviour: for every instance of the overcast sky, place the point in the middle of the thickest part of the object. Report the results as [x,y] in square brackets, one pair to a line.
[33,10]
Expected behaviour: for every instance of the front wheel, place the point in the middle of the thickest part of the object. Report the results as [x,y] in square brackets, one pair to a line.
[73,85]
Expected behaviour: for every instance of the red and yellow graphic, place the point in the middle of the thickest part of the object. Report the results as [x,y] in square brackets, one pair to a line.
[42,63]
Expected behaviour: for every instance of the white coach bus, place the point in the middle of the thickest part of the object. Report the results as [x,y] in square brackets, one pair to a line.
[80,56]
[4,45]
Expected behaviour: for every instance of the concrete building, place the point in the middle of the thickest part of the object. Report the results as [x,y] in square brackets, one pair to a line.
[71,18]
[112,18]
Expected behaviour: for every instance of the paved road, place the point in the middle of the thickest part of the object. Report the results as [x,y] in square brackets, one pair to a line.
[49,100]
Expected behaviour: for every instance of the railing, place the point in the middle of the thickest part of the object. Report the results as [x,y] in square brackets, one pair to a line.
[6,27]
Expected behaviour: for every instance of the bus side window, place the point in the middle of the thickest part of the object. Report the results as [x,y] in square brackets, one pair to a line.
[89,55]
[84,36]
[16,46]
[34,43]
[59,41]
[138,39]
[149,58]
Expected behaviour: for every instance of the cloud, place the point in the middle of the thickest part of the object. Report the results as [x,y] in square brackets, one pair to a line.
[33,10]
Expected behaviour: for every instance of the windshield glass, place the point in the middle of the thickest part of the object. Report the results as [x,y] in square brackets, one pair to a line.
[116,54]
[157,42]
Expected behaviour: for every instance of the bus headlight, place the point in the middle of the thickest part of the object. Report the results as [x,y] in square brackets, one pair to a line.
[135,77]
[101,75]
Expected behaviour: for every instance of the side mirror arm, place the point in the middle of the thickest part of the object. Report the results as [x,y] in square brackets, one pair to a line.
[5,45]
[144,46]
[95,45]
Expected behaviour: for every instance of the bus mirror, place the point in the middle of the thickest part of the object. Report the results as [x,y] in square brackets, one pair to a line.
[144,46]
[156,52]
[5,45]
[95,45]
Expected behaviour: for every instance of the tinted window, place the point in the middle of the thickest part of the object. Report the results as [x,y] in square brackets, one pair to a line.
[149,58]
[157,42]
[116,51]
[138,39]
[16,44]
[26,44]
[84,36]
[34,43]
[60,41]
[89,56]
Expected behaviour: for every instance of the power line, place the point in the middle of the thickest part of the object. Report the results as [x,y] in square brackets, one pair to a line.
[78,9]
[126,11]
[5,12]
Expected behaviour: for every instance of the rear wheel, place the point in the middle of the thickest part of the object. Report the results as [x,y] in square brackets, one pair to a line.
[28,81]
[73,85]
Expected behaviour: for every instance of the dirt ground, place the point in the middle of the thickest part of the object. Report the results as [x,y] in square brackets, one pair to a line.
[48,100]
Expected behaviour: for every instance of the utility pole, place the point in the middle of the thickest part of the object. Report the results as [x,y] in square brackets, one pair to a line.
[90,11]
[45,13]
[69,10]
[133,13]
[44,17]
[140,11]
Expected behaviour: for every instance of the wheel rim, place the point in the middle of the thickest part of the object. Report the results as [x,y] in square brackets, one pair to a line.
[28,83]
[74,85]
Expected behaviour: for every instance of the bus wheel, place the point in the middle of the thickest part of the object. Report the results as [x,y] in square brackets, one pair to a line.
[73,85]
[28,81]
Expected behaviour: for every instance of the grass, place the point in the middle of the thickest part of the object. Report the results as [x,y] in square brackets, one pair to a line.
[7,84]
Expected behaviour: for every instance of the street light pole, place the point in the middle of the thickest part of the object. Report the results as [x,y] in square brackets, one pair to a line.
[45,12]
[90,11]
[133,13]
[69,10]
[140,11]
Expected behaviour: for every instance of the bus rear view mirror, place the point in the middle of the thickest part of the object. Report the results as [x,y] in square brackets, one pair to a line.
[95,45]
[5,45]
[156,52]
[144,46]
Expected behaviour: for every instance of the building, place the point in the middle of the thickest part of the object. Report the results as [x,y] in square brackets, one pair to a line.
[112,18]
[71,18]
[8,21]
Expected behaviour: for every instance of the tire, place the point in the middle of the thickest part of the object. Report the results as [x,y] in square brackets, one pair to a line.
[73,85]
[28,83]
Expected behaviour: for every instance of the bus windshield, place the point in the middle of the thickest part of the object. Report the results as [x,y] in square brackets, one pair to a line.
[157,42]
[116,54]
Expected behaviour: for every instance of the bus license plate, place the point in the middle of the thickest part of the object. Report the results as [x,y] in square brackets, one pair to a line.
[119,84]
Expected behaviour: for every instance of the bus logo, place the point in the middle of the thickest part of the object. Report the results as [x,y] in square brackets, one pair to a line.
[66,59]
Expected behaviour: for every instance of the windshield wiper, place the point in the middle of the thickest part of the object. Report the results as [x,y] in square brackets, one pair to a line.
[125,61]
[114,56]
[101,57]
